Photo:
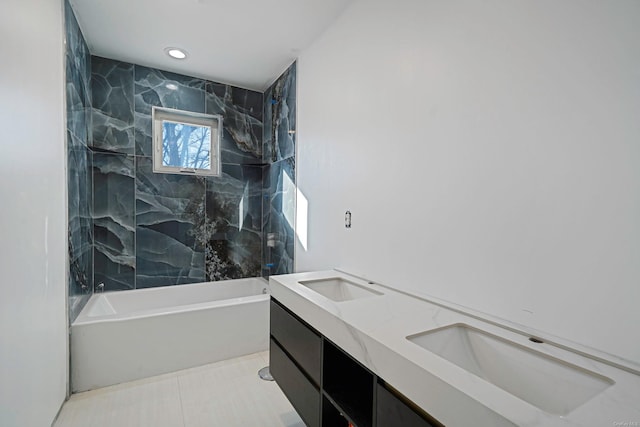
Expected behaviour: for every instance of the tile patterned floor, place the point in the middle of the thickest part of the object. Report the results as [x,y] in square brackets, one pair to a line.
[225,394]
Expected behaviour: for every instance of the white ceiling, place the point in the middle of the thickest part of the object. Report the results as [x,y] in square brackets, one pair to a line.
[246,43]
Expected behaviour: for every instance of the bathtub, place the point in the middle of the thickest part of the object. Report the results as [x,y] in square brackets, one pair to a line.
[128,335]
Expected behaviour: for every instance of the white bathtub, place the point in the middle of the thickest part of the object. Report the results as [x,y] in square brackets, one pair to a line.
[127,335]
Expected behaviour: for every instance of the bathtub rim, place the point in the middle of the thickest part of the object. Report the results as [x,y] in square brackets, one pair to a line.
[84,319]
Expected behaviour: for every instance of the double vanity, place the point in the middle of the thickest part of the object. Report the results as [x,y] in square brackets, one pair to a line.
[350,352]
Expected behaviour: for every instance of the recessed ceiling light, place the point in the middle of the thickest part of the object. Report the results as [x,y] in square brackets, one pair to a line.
[176,53]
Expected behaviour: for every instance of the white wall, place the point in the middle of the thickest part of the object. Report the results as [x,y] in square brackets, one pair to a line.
[33,338]
[490,154]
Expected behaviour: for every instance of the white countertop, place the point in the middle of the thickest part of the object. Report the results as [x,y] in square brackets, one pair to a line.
[374,330]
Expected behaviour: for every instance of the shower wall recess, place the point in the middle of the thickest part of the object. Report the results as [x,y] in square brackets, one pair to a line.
[133,228]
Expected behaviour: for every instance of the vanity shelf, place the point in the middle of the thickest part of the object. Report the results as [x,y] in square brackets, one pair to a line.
[348,384]
[329,388]
[331,415]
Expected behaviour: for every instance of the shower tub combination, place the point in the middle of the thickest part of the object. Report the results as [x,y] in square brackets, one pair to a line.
[128,335]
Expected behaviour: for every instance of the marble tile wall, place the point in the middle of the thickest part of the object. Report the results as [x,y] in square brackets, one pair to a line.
[233,231]
[162,229]
[279,178]
[79,164]
[130,228]
[114,219]
[112,102]
[280,117]
[279,174]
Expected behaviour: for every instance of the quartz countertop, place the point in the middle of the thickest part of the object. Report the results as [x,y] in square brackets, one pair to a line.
[373,330]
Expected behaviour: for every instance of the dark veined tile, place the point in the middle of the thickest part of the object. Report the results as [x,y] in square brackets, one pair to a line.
[80,237]
[163,261]
[79,157]
[76,45]
[81,274]
[77,72]
[77,107]
[161,196]
[79,199]
[233,235]
[237,256]
[280,117]
[113,221]
[110,134]
[233,199]
[244,100]
[242,121]
[170,216]
[280,191]
[112,112]
[164,89]
[143,134]
[112,88]
[114,274]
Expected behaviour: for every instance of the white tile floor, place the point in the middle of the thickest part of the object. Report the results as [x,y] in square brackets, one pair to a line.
[227,393]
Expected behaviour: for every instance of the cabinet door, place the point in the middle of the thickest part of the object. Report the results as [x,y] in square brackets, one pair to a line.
[299,340]
[302,394]
[393,412]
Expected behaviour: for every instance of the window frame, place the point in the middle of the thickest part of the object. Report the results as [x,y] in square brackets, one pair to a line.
[213,121]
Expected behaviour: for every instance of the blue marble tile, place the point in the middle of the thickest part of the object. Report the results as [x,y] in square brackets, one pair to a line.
[143,134]
[162,89]
[242,120]
[78,72]
[280,117]
[170,216]
[77,108]
[280,256]
[76,45]
[80,274]
[147,229]
[79,158]
[164,261]
[79,217]
[233,232]
[113,220]
[112,102]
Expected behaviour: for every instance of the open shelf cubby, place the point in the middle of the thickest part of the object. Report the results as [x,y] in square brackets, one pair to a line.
[349,384]
[331,416]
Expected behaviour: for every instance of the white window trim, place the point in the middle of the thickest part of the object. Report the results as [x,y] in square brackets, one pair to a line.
[213,121]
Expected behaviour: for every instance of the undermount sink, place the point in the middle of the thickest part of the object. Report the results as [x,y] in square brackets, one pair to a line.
[339,289]
[546,382]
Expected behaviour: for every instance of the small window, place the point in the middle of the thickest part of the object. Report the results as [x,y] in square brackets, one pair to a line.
[185,142]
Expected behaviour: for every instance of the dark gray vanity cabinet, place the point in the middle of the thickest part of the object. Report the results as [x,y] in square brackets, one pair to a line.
[295,362]
[393,411]
[348,385]
[302,393]
[329,388]
[302,342]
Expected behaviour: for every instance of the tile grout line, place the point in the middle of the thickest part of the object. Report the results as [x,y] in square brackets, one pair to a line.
[184,421]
